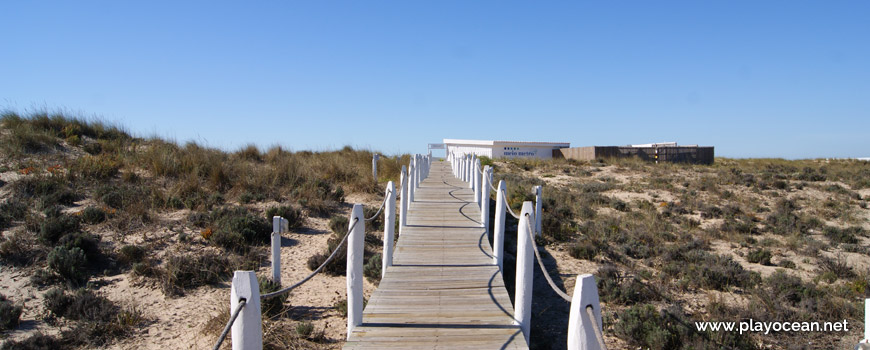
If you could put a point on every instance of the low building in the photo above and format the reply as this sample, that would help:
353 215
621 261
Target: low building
503 149
658 152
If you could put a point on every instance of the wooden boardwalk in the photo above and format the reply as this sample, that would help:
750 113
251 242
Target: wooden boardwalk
443 290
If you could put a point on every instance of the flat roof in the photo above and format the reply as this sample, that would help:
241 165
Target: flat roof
493 143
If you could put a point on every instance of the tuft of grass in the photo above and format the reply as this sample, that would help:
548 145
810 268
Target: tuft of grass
185 271
273 306
10 314
759 256
294 217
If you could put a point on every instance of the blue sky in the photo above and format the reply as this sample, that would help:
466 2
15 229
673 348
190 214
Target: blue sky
753 78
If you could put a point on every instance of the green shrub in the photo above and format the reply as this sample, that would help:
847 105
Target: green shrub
37 341
304 329
338 225
10 314
120 196
274 305
12 210
93 215
70 264
17 249
98 168
131 254
372 268
236 228
642 325
615 288
46 190
586 248
698 268
182 272
759 256
294 216
55 227
88 243
844 235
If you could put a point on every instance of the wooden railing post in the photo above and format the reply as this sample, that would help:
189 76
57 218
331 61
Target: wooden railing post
403 200
538 208
477 182
581 333
498 231
418 168
525 259
471 171
355 268
411 173
247 331
375 167
279 225
389 227
484 199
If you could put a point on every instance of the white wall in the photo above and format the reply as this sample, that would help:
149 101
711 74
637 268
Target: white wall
503 151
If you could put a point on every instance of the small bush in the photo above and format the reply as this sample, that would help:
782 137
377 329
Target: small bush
190 271
70 264
12 210
759 256
55 227
372 268
836 267
294 217
615 288
304 329
93 215
274 305
88 243
131 254
236 228
37 341
46 190
17 248
10 314
845 235
586 249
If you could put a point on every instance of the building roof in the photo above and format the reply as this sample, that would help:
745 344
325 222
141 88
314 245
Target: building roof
493 143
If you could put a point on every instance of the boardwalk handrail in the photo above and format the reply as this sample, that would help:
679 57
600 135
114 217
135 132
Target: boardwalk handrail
584 324
245 297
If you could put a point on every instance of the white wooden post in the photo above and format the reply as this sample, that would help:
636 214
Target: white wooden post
477 183
375 167
498 232
418 169
484 199
538 208
247 331
389 228
276 248
525 258
355 268
411 173
462 167
471 171
581 334
866 321
403 200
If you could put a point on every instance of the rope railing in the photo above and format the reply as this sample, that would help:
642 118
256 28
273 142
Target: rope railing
509 210
331 256
590 312
541 263
229 325
383 204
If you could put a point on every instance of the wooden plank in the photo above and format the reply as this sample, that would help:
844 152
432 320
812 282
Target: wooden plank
443 290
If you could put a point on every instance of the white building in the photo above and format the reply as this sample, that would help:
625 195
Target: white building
503 149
